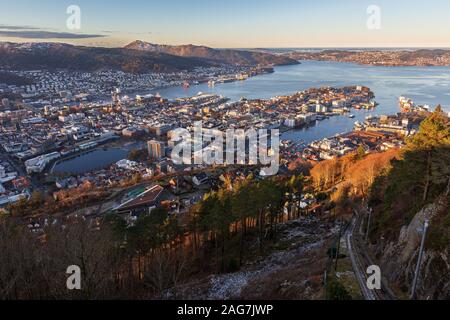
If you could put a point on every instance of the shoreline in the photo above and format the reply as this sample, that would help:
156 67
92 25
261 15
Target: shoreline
111 145
379 64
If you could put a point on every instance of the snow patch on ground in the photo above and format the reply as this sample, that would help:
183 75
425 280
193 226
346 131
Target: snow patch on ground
310 235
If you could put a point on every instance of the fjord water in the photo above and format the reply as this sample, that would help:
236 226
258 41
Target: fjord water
425 85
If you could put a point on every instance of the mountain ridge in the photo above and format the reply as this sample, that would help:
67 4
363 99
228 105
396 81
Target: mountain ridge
230 56
137 57
54 56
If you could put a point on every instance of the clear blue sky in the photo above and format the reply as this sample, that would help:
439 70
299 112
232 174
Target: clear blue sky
231 23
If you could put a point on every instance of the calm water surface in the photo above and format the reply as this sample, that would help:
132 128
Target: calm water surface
425 85
96 159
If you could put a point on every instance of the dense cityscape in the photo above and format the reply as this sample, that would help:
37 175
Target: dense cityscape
37 136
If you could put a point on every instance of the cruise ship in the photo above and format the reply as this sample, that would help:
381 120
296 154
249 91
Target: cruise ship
358 126
405 104
408 105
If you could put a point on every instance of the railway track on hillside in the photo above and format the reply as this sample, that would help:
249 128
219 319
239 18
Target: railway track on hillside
361 261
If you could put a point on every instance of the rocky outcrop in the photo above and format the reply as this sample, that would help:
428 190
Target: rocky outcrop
398 259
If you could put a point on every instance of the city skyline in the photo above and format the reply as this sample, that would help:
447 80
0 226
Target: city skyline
287 24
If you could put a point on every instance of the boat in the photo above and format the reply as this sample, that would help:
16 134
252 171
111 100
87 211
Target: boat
351 116
286 143
186 85
358 126
406 105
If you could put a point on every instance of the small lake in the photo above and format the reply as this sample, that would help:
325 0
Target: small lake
92 160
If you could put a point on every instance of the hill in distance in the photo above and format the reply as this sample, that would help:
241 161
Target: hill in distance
419 57
137 57
57 56
228 56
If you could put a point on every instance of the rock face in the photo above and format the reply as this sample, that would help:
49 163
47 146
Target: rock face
398 259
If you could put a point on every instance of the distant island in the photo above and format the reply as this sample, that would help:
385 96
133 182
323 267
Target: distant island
421 57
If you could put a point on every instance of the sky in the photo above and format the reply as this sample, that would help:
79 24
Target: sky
231 23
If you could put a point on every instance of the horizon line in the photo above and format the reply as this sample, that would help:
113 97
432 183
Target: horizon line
421 46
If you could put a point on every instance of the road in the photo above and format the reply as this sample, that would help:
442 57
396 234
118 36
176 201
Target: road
19 168
361 261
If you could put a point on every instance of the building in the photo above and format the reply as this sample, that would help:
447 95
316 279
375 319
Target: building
71 117
321 109
156 149
5 102
161 130
290 122
37 165
131 132
146 200
307 118
200 179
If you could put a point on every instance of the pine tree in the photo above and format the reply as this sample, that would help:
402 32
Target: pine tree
429 149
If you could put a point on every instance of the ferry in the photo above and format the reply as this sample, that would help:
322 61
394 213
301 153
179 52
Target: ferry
287 143
358 126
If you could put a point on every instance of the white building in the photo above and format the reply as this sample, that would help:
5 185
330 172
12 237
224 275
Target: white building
37 165
289 123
